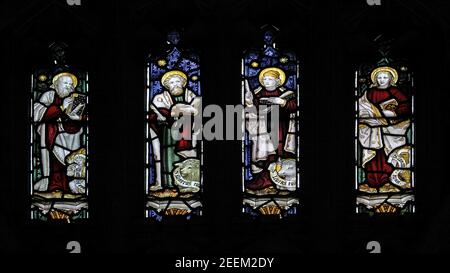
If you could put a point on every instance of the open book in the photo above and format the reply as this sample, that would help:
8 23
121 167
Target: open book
286 95
78 99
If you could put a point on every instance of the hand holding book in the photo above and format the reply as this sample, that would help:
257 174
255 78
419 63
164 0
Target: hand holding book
76 104
390 105
281 100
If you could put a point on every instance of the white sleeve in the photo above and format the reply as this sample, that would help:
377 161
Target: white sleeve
40 107
160 102
190 96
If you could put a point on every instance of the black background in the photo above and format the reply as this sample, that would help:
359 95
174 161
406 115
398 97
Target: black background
112 40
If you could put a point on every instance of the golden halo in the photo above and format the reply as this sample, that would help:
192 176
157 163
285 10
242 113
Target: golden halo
74 78
391 70
172 73
279 71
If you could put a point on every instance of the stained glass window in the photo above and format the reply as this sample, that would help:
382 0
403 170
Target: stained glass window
173 172
59 141
384 137
270 146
